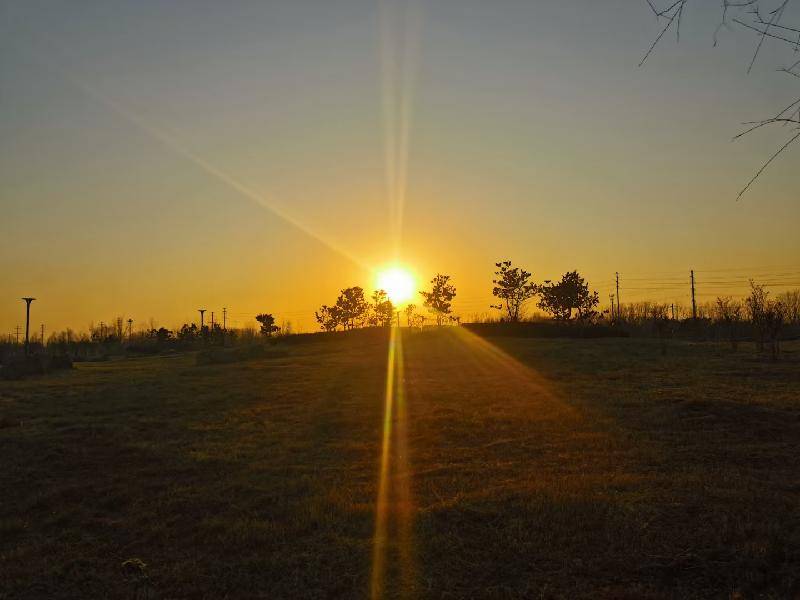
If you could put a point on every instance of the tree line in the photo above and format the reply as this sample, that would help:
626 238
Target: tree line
567 299
352 309
570 300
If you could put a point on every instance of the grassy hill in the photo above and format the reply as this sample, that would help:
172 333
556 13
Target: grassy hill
510 468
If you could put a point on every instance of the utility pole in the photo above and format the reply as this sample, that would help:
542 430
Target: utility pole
618 314
224 319
694 304
202 312
27 321
212 320
613 310
130 330
42 336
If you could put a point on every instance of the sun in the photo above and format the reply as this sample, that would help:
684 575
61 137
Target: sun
397 282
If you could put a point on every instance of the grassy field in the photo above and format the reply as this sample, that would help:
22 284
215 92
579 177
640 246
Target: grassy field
510 468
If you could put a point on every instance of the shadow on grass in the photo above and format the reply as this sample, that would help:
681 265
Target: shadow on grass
555 468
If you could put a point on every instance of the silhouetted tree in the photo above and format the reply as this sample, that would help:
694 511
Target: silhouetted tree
286 328
118 328
161 335
729 313
386 313
328 317
568 295
218 334
439 299
382 309
104 333
659 314
267 322
513 287
768 317
352 307
187 333
791 300
409 310
775 317
756 304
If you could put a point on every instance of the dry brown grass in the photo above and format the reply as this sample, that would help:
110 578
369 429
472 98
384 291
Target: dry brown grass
537 468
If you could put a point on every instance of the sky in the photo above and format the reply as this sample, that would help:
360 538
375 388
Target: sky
160 157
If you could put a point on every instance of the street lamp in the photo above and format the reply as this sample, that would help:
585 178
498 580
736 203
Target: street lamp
27 321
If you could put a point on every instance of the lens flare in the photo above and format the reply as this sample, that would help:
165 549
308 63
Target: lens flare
398 283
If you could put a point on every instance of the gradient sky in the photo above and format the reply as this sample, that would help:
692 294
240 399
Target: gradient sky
158 157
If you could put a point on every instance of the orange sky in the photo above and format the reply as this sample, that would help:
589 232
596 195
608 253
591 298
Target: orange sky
157 159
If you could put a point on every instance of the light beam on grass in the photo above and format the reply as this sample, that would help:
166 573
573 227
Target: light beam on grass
394 510
487 359
394 497
381 508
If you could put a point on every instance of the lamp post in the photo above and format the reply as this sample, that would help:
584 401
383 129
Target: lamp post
27 322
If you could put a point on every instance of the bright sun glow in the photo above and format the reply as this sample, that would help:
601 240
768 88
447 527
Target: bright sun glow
398 283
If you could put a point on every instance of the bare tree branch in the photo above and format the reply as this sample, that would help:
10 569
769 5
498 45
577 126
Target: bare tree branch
675 8
766 164
763 32
753 15
776 16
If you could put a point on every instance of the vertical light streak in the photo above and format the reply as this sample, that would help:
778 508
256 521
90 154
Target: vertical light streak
405 504
381 505
394 496
400 26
